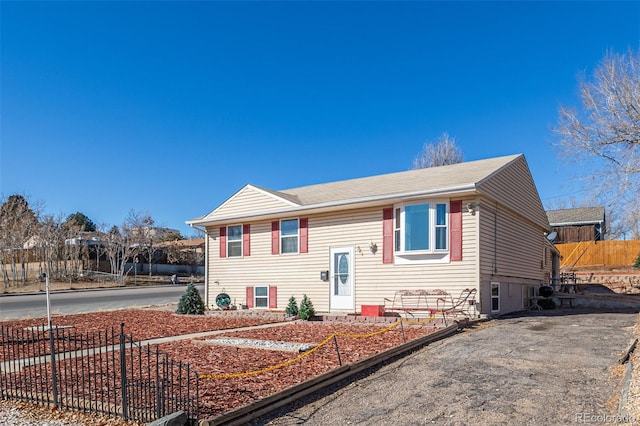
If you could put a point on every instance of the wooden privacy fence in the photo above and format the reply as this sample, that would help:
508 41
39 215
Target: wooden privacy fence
599 253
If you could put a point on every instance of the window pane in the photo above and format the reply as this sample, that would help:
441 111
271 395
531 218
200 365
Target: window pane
234 232
289 227
262 302
495 290
441 238
397 240
495 304
441 214
289 244
235 248
416 227
261 291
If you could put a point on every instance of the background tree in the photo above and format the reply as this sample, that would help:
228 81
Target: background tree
51 237
605 133
138 236
18 226
111 246
76 246
80 222
442 152
172 236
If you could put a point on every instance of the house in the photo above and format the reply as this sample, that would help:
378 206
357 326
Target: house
579 224
346 244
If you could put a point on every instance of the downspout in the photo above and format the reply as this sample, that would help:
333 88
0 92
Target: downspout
495 240
206 263
478 271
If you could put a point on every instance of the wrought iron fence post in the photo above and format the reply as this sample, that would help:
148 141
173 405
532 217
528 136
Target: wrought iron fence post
123 373
160 397
54 380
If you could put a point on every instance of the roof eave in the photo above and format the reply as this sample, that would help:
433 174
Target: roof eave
461 190
585 222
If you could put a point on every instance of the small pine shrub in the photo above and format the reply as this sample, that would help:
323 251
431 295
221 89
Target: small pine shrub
292 307
637 264
306 311
190 303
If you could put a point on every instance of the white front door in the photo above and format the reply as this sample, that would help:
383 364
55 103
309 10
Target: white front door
341 278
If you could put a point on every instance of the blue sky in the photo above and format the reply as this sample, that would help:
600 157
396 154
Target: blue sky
171 107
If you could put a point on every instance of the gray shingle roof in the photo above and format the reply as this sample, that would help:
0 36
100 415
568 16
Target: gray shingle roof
577 216
487 177
430 179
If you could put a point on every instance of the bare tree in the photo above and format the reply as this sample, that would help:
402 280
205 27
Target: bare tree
439 153
136 234
50 240
18 223
111 241
606 132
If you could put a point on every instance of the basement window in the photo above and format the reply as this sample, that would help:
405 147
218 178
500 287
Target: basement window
261 297
495 297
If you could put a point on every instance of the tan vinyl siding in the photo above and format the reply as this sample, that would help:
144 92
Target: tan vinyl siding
513 187
248 200
298 274
509 247
511 252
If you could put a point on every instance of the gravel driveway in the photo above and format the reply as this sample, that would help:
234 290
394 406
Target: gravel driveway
539 368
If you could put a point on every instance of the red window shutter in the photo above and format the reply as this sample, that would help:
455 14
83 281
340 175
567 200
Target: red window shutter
273 297
455 233
246 240
304 235
275 237
223 241
387 235
249 297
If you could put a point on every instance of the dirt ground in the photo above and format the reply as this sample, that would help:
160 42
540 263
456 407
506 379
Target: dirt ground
556 367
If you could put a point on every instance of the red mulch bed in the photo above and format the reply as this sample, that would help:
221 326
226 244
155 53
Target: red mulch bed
220 395
142 324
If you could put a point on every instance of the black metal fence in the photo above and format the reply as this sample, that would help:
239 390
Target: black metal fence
104 372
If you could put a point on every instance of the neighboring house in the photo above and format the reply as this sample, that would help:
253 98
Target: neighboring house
579 224
345 244
189 252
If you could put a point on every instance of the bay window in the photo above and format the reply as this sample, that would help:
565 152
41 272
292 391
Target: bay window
421 228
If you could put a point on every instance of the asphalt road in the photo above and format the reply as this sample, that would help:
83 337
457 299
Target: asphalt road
77 301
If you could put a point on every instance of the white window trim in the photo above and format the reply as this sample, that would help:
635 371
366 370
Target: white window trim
432 229
496 284
256 297
241 240
297 236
